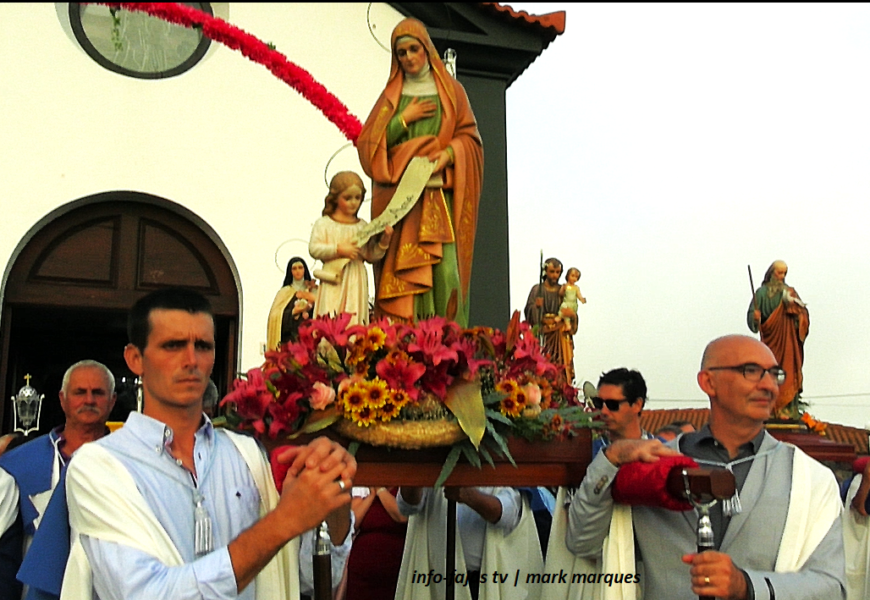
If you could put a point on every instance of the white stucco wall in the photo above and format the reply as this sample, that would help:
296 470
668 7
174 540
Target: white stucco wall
227 139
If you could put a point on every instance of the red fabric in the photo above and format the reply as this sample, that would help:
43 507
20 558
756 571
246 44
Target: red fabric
860 464
644 484
279 471
376 555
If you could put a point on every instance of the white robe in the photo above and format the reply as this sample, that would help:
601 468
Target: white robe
813 507
516 554
856 539
109 507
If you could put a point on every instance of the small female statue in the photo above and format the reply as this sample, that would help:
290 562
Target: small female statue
293 303
344 286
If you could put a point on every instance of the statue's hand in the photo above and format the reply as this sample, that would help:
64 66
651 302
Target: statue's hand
417 110
348 251
441 160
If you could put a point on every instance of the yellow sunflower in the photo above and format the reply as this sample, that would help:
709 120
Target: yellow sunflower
510 407
375 338
507 386
376 393
399 397
354 398
389 411
364 417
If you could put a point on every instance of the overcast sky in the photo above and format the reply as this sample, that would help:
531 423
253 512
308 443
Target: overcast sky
662 148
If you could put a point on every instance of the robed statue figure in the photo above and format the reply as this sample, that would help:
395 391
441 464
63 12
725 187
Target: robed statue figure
784 321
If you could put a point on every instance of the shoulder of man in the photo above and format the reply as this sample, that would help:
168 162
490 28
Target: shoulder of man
29 461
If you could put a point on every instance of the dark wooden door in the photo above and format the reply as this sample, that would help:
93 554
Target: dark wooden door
68 292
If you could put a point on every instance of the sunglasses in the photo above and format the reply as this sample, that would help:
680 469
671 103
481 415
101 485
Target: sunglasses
612 405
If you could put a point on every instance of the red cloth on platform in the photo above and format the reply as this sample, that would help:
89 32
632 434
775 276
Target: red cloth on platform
645 484
279 471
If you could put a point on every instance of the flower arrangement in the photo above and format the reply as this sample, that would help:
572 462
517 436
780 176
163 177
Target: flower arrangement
488 384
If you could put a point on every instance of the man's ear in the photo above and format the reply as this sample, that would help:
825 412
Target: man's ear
705 381
133 356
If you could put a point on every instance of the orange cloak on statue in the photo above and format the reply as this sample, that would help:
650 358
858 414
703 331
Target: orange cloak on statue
443 215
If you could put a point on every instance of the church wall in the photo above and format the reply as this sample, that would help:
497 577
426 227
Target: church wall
227 139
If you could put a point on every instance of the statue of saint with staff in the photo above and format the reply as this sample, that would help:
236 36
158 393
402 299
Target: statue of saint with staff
782 319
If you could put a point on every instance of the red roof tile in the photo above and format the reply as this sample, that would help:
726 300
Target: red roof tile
555 22
653 420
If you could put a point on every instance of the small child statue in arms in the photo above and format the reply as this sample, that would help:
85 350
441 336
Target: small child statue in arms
570 294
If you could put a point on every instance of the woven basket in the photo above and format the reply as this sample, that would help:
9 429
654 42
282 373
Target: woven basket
408 435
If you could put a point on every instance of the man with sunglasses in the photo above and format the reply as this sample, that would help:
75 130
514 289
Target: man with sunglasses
620 400
782 539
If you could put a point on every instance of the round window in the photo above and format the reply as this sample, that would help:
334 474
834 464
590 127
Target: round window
136 44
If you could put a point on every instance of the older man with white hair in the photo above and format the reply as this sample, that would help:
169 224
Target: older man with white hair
87 396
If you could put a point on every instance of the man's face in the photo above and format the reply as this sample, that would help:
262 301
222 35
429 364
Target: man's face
731 394
86 400
780 270
622 421
553 274
177 360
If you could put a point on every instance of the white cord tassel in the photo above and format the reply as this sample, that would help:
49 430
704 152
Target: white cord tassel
202 539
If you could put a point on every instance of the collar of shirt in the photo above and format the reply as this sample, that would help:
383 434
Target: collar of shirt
158 435
702 443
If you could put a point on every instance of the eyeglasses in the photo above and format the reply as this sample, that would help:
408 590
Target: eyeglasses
612 405
754 372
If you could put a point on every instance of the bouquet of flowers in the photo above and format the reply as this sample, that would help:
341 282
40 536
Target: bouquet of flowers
483 384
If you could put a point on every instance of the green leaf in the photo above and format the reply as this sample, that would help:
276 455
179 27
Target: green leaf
486 455
447 469
327 356
494 398
318 421
352 448
471 455
502 443
494 415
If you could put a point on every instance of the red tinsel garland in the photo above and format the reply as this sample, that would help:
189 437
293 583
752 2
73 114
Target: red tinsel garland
256 50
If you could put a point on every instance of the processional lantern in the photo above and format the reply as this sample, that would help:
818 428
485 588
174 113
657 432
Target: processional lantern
26 408
450 61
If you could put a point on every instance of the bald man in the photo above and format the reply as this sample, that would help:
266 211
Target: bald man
785 542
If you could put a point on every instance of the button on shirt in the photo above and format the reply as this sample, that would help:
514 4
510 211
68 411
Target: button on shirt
230 496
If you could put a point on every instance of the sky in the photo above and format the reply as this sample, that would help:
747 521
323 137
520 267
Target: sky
664 148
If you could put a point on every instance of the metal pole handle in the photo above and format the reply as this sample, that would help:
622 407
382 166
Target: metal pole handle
322 564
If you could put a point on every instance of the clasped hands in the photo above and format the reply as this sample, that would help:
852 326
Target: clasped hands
318 481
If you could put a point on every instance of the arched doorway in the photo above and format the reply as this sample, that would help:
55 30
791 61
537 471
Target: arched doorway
73 279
